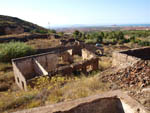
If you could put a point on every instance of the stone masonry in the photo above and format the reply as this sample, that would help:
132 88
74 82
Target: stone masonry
110 102
123 59
26 68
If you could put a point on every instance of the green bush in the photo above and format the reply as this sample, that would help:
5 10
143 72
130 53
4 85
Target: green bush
39 31
12 50
144 43
90 41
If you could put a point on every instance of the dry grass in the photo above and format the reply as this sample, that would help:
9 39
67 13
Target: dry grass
15 35
5 67
84 87
54 90
105 63
13 100
33 103
6 77
77 58
43 43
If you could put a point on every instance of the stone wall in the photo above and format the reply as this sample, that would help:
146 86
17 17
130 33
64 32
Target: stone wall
87 54
143 53
74 49
66 57
19 78
127 58
121 60
26 68
110 102
77 67
93 48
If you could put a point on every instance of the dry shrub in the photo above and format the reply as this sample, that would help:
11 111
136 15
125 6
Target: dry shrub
105 63
84 87
5 66
33 103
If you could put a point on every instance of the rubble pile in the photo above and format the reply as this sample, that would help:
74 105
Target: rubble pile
137 75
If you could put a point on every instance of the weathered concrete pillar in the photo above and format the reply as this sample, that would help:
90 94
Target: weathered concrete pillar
38 68
66 57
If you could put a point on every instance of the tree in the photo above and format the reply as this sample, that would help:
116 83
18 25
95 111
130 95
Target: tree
102 34
83 37
132 39
61 34
99 39
76 34
120 36
52 31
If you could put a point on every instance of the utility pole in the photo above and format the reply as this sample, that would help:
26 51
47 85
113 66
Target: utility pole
49 25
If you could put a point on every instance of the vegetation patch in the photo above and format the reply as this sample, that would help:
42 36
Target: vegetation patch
12 50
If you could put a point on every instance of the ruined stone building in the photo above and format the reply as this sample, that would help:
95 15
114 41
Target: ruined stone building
62 61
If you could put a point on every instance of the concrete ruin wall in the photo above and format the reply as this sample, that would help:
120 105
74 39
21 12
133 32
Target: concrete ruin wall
74 49
29 67
127 58
87 54
110 102
123 60
19 78
81 67
143 53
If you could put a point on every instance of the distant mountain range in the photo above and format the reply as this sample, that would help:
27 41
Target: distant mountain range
86 28
113 25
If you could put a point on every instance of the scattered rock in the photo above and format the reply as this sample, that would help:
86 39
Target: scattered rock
134 76
114 87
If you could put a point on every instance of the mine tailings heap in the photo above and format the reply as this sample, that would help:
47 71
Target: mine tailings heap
134 68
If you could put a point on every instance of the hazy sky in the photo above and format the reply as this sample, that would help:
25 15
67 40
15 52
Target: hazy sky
68 12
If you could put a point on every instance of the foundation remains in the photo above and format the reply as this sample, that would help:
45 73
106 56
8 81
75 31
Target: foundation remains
110 102
123 59
64 62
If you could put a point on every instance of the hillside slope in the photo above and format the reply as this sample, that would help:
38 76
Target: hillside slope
13 25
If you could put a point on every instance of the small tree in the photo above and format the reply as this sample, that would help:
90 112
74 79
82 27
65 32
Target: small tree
120 35
102 34
99 39
61 34
76 34
52 31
